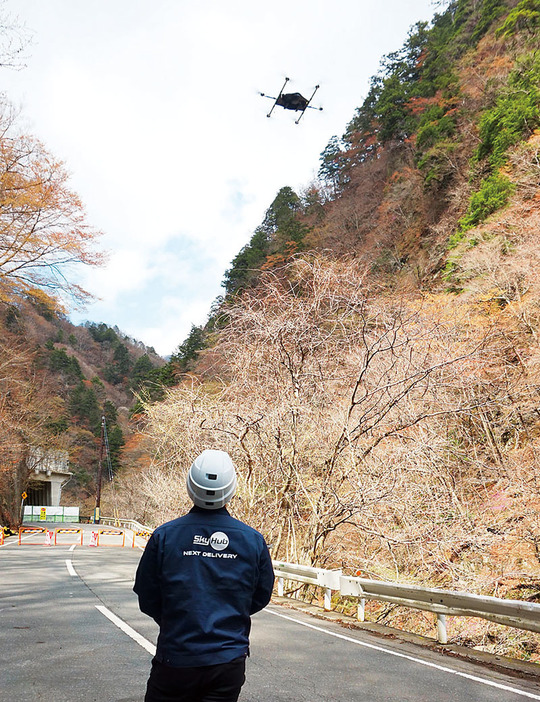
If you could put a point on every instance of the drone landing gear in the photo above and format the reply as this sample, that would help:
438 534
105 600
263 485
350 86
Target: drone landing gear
275 99
309 106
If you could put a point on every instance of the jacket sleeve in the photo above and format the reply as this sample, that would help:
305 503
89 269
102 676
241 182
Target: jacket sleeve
265 584
148 581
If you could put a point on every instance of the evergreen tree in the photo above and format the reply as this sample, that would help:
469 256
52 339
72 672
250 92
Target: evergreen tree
68 366
187 352
101 332
246 262
331 168
118 370
141 372
84 406
116 442
109 412
279 229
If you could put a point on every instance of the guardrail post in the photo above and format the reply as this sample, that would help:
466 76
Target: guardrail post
361 611
442 636
280 589
327 600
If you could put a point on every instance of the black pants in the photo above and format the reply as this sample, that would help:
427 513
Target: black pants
210 683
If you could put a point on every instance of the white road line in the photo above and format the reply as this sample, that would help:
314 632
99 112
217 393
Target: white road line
147 645
23 538
72 547
484 681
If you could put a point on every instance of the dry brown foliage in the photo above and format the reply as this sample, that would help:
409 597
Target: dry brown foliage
328 388
43 228
371 433
377 428
23 416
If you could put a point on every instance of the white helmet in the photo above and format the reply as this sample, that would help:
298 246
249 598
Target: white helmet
211 480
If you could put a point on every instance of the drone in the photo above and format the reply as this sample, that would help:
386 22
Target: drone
292 101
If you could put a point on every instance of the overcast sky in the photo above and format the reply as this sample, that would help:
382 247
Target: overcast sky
153 105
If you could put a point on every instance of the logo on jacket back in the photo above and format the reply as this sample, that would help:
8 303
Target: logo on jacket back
218 541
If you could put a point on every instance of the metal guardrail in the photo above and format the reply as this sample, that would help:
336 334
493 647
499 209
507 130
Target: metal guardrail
442 603
138 529
327 579
514 613
126 523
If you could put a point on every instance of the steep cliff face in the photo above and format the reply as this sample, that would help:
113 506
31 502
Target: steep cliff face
443 142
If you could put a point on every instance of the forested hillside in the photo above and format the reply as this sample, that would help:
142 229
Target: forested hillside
373 367
58 382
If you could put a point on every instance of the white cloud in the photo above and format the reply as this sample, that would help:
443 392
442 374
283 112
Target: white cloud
155 110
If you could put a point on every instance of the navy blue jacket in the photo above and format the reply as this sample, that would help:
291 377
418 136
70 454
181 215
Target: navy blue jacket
200 578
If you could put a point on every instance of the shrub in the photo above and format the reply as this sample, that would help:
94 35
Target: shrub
490 10
435 129
515 113
526 16
492 195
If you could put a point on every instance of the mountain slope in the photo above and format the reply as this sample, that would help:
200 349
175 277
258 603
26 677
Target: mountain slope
373 366
59 381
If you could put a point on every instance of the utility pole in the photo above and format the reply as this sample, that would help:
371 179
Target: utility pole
100 473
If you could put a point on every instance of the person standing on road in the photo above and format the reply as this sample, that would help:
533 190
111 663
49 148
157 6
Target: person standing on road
201 577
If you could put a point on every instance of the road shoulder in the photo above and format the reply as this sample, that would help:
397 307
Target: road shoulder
518 669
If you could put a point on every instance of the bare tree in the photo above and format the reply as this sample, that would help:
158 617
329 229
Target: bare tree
14 39
319 376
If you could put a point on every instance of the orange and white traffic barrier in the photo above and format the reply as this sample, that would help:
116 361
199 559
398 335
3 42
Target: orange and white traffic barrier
1 536
70 530
111 532
31 530
142 534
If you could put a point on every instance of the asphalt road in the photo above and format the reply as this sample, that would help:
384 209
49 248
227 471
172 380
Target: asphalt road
61 609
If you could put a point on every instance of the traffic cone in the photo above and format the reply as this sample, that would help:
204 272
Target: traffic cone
94 539
48 538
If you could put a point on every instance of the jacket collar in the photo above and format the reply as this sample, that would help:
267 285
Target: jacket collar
207 512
